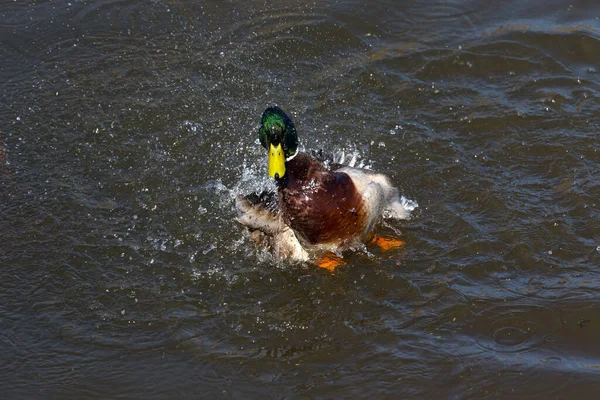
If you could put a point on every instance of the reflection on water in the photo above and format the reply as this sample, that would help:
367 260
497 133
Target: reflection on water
127 128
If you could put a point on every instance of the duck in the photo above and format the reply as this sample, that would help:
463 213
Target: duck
318 210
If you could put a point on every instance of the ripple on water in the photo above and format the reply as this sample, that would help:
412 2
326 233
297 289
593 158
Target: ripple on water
515 328
533 380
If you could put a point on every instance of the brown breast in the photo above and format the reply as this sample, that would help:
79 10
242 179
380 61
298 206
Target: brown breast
321 206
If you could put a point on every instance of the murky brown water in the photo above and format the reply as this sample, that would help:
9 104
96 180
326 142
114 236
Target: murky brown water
127 128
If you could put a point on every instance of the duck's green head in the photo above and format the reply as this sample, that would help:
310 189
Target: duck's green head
278 135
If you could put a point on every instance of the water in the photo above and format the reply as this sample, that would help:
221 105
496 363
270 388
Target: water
127 128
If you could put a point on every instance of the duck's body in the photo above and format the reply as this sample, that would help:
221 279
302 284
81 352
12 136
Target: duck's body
317 209
321 206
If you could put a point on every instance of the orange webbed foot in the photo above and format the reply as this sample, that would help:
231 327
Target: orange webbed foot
386 244
330 262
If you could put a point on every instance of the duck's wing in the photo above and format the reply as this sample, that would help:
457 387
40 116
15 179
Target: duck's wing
260 211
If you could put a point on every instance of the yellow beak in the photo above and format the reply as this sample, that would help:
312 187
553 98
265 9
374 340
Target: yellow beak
276 161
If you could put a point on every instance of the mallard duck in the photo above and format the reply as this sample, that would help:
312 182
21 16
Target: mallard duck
317 210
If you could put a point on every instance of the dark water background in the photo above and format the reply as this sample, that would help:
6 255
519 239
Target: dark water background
127 127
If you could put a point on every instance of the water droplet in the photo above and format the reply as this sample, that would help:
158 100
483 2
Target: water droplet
211 248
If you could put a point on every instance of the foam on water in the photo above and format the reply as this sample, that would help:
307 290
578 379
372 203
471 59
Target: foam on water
400 208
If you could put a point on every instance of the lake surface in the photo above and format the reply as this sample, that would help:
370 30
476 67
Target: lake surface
128 127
